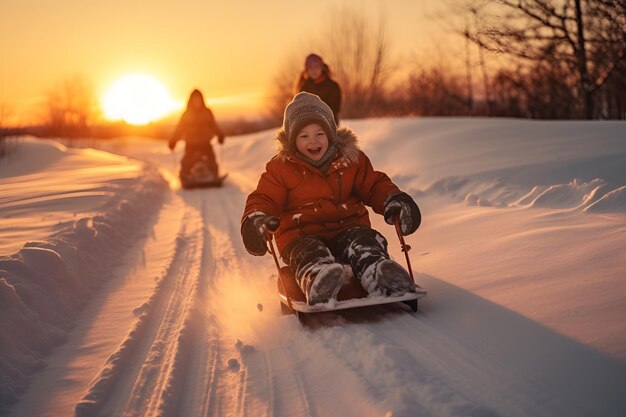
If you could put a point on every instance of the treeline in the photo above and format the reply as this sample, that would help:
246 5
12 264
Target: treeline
538 91
560 59
156 130
541 59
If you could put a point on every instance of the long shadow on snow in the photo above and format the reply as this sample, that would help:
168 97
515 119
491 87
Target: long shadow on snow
577 375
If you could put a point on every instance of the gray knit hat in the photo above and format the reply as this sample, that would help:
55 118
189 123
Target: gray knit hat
304 109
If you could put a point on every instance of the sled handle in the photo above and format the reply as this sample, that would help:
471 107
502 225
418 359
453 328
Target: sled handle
405 248
270 246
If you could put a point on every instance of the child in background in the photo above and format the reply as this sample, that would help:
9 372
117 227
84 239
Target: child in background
316 79
197 126
313 194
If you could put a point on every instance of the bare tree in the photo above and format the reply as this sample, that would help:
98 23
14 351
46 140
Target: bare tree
588 36
71 108
468 71
357 52
435 91
510 94
4 116
540 91
282 86
3 129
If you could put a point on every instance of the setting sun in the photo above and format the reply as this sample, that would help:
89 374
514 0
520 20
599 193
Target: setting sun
137 99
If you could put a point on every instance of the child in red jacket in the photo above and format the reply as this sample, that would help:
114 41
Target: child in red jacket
313 194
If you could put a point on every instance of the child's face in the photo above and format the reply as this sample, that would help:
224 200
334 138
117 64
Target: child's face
314 69
196 102
312 142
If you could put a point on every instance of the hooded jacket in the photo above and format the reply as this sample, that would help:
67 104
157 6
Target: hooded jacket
197 126
309 202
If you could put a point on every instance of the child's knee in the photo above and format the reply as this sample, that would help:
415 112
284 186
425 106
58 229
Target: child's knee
367 237
306 249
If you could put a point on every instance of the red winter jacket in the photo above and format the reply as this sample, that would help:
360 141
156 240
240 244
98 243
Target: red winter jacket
309 202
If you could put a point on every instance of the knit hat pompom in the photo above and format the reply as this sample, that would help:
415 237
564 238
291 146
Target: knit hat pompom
304 109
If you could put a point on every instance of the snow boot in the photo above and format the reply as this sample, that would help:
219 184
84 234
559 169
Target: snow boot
366 251
315 269
391 279
323 283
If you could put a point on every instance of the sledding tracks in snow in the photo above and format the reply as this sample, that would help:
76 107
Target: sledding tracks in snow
203 347
135 379
170 361
211 342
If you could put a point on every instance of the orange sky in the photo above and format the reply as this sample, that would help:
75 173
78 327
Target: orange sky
231 50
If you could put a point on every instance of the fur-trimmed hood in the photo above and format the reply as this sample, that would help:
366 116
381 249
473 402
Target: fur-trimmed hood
345 141
314 202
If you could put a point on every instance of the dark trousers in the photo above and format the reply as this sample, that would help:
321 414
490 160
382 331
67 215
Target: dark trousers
360 247
195 154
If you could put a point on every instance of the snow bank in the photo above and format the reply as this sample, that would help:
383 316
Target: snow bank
502 163
610 202
574 195
30 156
45 284
483 162
509 218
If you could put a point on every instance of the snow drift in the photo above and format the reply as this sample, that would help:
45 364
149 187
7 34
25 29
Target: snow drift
45 284
521 251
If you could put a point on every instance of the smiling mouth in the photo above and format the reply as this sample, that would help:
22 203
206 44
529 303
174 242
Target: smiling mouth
315 151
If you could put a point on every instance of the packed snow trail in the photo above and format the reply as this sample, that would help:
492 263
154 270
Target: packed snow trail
215 345
207 339
169 363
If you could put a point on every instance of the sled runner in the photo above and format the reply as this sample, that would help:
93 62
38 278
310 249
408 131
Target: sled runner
351 294
189 182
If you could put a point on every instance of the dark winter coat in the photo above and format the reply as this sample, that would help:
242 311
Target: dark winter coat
197 127
309 202
327 89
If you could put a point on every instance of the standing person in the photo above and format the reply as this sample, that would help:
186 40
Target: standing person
313 193
197 127
316 79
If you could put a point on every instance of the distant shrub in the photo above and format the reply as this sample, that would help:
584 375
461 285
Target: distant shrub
7 145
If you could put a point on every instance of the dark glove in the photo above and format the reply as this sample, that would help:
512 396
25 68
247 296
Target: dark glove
171 144
403 207
220 140
253 232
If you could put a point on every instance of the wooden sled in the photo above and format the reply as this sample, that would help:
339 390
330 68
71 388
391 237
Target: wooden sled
351 294
202 182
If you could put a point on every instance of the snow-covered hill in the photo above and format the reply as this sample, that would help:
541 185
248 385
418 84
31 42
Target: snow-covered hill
122 296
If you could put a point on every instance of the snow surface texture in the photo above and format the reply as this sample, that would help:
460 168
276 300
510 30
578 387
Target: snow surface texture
44 285
521 251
